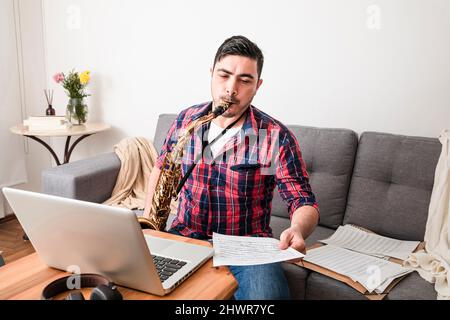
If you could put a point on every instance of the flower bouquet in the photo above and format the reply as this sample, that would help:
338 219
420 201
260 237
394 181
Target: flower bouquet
75 85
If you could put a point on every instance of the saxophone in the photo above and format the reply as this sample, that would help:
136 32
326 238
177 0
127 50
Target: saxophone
170 176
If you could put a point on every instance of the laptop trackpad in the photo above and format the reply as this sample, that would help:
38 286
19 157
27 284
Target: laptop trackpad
158 245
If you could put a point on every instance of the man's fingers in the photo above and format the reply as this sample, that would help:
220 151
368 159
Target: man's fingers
299 245
285 239
288 239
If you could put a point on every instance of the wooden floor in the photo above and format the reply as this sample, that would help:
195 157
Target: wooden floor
11 241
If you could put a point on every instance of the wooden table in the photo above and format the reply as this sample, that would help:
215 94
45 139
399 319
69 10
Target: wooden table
84 130
24 279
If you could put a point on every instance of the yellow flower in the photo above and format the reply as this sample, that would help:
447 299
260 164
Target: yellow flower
85 77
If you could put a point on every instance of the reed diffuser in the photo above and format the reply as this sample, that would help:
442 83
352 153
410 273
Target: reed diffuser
49 96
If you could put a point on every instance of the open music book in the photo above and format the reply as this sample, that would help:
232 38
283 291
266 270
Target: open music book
362 257
356 239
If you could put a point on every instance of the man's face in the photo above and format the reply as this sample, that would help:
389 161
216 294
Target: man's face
234 79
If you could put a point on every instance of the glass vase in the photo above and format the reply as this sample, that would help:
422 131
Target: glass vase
77 111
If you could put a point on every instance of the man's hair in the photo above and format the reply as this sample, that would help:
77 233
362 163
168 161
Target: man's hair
240 46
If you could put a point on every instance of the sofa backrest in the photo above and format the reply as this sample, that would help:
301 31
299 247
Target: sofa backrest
329 157
391 185
164 122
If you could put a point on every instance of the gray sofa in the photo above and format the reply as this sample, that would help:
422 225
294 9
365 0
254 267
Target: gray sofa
380 181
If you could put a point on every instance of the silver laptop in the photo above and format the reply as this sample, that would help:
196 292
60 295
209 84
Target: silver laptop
86 237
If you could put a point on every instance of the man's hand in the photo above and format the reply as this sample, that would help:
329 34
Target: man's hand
292 237
303 222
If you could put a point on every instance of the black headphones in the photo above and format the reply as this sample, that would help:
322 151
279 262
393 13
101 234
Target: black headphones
103 288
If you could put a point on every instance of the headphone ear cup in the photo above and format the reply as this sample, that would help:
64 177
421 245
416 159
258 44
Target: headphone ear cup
75 295
106 292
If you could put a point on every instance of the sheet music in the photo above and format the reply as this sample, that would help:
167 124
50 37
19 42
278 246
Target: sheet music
373 273
241 251
352 238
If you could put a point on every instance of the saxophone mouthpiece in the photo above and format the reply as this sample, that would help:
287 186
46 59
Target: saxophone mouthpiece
221 109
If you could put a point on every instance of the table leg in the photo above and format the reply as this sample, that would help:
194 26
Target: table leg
48 148
68 153
66 149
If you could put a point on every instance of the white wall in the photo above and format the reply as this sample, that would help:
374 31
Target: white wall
325 66
22 79
365 65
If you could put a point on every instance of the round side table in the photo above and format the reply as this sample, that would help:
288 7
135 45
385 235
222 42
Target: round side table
84 131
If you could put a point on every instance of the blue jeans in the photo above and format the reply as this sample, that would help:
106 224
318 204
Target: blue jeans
261 282
257 282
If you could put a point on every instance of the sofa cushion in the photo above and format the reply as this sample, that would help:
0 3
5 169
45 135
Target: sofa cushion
296 277
278 225
413 287
320 287
392 183
165 120
329 156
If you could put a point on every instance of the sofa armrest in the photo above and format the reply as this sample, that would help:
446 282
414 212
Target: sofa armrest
91 179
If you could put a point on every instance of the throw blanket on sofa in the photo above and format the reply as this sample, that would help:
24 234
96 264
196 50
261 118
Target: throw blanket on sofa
137 156
433 262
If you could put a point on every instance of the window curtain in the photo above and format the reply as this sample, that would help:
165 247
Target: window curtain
12 154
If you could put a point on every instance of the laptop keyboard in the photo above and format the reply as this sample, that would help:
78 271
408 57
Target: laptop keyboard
166 267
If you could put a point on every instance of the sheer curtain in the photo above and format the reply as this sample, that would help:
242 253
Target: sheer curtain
12 155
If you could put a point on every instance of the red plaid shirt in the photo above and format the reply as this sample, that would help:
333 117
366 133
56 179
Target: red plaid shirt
232 193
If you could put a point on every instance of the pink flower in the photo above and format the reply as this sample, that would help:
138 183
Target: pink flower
58 77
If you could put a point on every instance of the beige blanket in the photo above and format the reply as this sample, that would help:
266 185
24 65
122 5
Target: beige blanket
138 156
433 262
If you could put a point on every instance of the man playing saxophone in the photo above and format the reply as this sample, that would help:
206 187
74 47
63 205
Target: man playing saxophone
234 162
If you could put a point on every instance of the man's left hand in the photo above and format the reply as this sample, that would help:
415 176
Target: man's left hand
292 237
